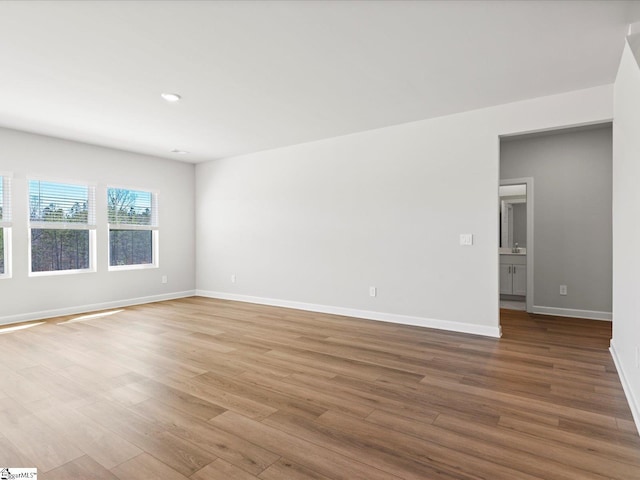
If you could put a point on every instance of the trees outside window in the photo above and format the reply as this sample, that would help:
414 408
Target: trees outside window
57 249
133 228
62 227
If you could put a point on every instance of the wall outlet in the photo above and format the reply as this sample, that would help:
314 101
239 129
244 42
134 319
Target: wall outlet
373 291
233 278
466 239
563 289
164 279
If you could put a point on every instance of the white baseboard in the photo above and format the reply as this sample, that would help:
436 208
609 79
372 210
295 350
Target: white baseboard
59 312
634 405
571 312
366 314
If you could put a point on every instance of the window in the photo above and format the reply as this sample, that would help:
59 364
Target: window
61 227
133 228
5 226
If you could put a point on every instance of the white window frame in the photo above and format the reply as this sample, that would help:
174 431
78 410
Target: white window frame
90 226
154 228
6 224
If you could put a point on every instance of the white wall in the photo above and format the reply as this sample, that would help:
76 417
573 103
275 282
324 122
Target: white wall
315 225
572 222
27 155
626 229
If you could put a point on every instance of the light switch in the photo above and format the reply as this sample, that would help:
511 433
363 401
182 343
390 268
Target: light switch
466 239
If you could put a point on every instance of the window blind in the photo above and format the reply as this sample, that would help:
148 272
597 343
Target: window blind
5 201
131 208
61 205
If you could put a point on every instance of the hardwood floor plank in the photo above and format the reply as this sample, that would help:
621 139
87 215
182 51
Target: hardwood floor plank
84 467
453 453
103 446
179 399
43 446
284 468
559 460
627 426
57 385
146 467
182 455
301 451
598 447
352 445
268 397
232 448
329 362
20 388
339 357
319 396
13 456
126 395
221 470
343 388
398 422
226 400
119 420
504 402
600 431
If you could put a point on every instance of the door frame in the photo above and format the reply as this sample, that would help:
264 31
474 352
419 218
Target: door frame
528 181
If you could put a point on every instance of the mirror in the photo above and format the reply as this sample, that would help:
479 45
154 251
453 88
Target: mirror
513 216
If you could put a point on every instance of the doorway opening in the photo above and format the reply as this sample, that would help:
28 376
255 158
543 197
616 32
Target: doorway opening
515 209
572 255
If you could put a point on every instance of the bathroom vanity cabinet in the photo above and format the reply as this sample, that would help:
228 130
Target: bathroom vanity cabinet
513 274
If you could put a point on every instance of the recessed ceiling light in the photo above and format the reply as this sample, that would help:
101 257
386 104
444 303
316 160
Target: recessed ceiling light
171 97
179 152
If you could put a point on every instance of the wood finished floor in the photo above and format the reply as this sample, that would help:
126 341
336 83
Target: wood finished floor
206 389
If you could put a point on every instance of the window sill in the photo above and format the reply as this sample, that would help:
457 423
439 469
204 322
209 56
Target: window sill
56 273
143 266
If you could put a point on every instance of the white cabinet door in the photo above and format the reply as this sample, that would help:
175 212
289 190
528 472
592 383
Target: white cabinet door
519 274
506 279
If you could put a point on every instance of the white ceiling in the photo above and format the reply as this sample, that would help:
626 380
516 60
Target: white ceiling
259 75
